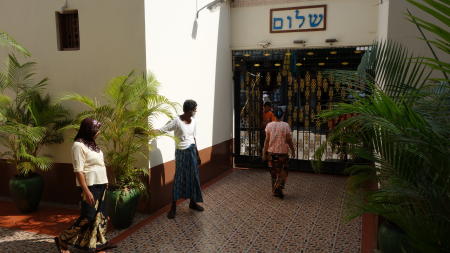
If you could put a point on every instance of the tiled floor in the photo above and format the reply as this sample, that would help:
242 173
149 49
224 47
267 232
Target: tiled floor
240 216
33 233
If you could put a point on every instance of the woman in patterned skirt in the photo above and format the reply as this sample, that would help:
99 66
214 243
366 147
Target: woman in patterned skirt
89 230
276 150
186 183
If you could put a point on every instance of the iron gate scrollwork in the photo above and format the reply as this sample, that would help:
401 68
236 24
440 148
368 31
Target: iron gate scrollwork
297 81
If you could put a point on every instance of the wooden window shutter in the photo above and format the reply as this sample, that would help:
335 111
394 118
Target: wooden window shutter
68 30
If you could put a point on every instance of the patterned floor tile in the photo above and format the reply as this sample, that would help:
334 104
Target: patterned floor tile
19 241
241 215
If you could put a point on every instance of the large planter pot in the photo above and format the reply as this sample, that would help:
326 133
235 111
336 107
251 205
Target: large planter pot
392 239
121 206
26 192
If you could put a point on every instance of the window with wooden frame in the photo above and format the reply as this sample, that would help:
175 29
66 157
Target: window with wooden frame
68 30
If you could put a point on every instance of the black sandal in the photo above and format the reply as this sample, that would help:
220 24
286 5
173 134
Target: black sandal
58 244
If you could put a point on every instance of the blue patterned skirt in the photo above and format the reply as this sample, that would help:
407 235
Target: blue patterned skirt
186 184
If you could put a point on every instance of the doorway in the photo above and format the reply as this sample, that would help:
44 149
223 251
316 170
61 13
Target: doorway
299 82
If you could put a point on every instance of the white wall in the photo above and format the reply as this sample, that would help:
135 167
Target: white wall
394 25
188 68
351 22
383 20
112 43
400 29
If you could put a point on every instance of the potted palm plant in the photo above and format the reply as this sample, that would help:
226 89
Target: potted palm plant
401 126
28 121
131 104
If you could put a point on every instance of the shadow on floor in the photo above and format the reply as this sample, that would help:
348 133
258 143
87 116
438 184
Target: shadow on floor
47 220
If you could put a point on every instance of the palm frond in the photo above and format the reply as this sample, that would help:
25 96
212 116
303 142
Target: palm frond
132 102
399 129
7 40
81 99
30 120
440 10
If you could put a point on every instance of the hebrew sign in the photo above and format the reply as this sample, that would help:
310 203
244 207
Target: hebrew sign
298 19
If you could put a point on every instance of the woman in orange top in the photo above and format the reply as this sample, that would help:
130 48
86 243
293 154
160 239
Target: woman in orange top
276 149
268 114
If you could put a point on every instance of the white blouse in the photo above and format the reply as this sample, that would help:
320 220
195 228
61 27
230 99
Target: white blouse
184 132
89 162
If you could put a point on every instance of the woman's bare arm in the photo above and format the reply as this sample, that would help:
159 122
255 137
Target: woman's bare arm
87 193
266 146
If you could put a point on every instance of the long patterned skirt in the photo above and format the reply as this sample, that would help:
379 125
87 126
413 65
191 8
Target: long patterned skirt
187 180
278 164
89 230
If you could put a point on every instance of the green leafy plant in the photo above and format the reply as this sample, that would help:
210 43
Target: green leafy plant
131 104
7 40
28 119
400 133
439 10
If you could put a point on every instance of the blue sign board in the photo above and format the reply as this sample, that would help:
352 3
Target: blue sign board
298 19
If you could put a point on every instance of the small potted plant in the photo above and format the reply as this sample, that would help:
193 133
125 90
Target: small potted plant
131 103
28 121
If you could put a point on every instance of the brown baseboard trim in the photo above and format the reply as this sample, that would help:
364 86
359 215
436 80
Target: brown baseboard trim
122 236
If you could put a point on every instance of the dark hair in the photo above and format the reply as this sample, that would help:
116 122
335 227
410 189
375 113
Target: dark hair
268 104
88 129
189 105
279 113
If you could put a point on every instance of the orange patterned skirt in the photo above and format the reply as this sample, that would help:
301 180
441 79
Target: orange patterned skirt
278 164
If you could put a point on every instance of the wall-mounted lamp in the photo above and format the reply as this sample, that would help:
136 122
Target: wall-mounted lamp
331 41
300 42
264 44
209 6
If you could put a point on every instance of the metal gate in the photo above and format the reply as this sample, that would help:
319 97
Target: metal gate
297 81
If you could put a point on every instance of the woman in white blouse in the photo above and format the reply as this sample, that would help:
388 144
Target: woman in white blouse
186 184
89 230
